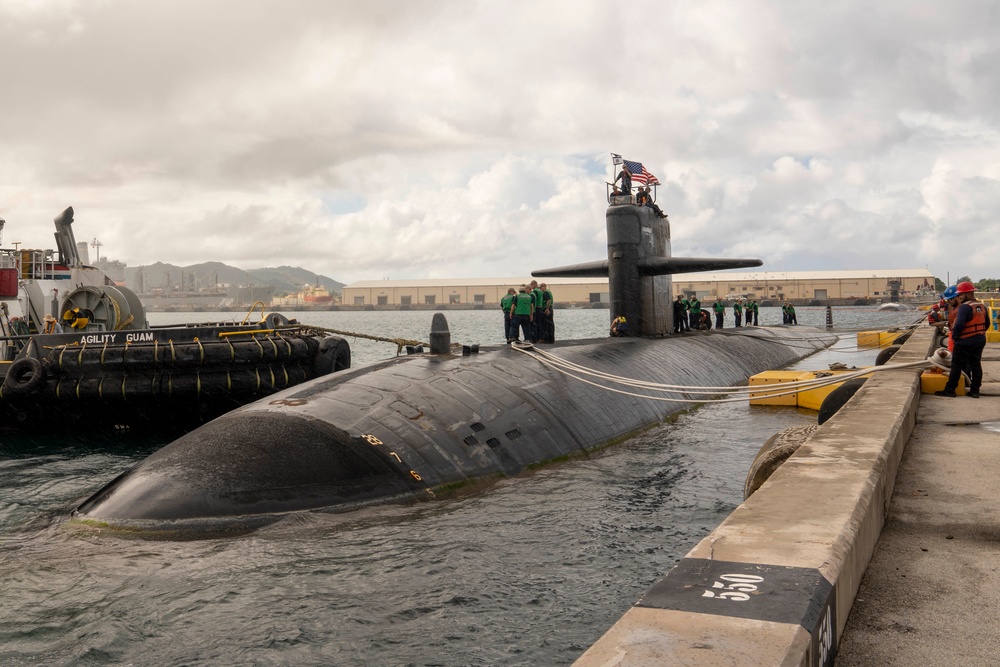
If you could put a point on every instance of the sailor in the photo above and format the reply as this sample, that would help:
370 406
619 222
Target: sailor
949 297
694 312
645 198
752 309
51 326
720 310
536 327
548 322
619 327
737 313
792 319
686 305
784 313
678 315
626 178
969 335
505 304
522 311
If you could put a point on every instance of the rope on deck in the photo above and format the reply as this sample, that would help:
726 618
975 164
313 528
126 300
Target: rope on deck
400 342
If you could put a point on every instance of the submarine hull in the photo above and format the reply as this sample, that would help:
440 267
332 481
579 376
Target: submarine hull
407 426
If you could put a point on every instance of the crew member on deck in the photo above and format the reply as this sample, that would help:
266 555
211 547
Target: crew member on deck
626 178
51 326
548 322
737 313
619 327
720 310
521 313
694 312
505 304
536 327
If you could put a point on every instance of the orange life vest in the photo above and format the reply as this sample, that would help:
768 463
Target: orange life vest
978 323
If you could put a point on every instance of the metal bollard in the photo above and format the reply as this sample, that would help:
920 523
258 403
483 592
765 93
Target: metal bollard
440 335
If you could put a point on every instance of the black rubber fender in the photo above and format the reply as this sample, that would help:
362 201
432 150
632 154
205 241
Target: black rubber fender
25 376
902 338
773 453
334 355
276 321
885 354
836 399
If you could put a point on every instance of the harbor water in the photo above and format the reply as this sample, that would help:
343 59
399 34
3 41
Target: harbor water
528 572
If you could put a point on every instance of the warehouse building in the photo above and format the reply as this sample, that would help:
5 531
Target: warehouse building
582 292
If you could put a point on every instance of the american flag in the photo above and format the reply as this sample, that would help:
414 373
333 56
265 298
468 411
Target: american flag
639 173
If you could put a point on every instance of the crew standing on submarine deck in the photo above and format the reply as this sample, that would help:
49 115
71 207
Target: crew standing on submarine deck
522 311
737 313
548 310
678 315
505 304
694 312
720 310
536 328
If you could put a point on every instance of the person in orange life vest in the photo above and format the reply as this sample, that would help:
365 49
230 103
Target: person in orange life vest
51 326
969 336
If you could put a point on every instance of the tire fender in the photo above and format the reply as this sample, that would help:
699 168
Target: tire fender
25 376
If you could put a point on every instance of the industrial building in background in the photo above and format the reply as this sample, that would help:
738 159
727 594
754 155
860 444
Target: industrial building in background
803 287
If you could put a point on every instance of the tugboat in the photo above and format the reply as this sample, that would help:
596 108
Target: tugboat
77 351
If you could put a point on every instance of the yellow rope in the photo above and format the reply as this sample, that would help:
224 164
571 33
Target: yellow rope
400 342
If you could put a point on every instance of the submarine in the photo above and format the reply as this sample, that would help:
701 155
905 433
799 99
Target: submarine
408 427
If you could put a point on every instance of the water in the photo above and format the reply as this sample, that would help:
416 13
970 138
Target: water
530 572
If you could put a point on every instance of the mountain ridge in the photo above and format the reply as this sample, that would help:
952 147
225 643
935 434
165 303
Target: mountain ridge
206 275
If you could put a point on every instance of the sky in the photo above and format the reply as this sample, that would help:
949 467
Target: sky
406 140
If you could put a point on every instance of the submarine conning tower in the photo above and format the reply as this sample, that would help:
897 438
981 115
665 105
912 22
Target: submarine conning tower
639 268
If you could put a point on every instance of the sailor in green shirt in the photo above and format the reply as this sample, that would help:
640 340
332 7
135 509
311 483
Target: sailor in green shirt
505 303
545 317
752 310
694 306
536 325
720 309
522 311
737 312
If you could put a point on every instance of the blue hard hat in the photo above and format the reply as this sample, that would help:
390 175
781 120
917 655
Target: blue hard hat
950 293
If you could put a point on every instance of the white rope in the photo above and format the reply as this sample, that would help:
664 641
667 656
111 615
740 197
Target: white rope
759 391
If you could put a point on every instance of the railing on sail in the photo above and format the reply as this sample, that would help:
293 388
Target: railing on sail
615 196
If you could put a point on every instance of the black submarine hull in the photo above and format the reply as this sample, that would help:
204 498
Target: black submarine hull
406 427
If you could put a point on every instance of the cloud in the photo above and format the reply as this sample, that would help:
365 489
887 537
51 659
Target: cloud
424 139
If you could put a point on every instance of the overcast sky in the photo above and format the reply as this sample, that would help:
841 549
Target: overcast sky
410 139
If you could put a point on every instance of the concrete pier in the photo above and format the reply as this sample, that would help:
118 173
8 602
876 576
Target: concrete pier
931 593
775 583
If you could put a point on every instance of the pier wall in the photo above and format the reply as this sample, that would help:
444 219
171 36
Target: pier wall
774 583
